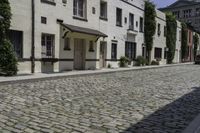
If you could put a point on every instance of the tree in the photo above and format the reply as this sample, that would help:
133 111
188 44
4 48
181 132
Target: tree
149 27
171 36
196 42
184 41
8 61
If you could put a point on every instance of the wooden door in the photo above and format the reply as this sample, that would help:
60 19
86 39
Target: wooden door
102 56
79 54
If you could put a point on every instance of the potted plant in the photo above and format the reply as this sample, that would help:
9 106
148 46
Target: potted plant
123 62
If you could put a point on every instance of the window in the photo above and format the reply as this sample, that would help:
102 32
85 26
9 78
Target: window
43 20
67 44
125 20
131 21
103 10
141 24
180 35
93 10
91 46
144 51
64 1
159 32
158 53
130 50
80 8
119 17
16 38
47 45
114 51
176 13
187 13
197 11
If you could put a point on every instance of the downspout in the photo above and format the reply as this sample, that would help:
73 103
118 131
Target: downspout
33 37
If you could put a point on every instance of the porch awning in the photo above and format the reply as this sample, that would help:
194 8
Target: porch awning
77 29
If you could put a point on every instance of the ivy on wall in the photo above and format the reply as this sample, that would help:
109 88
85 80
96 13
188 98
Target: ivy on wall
184 41
196 42
8 61
149 27
171 36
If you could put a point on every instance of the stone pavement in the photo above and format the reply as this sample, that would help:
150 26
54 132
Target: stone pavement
162 100
36 76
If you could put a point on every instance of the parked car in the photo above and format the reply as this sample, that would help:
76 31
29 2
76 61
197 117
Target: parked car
197 60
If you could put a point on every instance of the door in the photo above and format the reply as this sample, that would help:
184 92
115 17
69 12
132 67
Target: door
102 56
79 54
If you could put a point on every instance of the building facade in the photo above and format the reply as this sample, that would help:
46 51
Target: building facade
187 11
60 35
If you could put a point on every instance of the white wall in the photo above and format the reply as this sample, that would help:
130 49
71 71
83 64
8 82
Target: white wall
159 40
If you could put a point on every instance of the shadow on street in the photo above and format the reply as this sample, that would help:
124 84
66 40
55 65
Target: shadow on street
172 118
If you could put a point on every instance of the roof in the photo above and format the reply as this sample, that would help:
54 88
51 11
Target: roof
180 3
73 28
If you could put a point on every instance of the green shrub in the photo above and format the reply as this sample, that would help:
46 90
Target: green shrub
123 61
8 61
155 62
141 61
109 65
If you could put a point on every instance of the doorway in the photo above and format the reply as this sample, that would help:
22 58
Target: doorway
102 56
79 54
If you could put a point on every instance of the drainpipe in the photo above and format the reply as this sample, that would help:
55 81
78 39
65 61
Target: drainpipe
33 37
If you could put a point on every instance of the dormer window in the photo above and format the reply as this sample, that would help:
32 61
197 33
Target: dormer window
80 8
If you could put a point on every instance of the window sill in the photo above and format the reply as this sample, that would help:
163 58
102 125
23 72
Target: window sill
81 19
118 25
102 18
48 2
91 50
67 49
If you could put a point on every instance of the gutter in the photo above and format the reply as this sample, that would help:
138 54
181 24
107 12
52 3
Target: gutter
33 37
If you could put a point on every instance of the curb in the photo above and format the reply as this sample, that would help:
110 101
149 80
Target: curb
86 74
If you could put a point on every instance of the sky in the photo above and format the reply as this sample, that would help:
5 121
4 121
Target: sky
163 3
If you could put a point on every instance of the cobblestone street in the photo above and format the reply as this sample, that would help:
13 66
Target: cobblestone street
163 100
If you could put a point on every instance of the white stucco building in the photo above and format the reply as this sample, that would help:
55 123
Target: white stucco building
60 35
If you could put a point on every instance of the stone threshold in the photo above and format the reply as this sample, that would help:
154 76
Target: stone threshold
44 76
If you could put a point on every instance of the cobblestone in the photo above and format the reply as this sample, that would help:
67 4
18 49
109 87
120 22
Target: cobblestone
162 100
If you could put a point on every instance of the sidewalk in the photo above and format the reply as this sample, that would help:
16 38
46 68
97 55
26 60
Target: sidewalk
39 76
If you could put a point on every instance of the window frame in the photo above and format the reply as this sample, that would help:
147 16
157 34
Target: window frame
131 21
103 15
91 46
77 9
45 45
114 51
141 24
157 55
67 44
159 29
119 17
130 50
